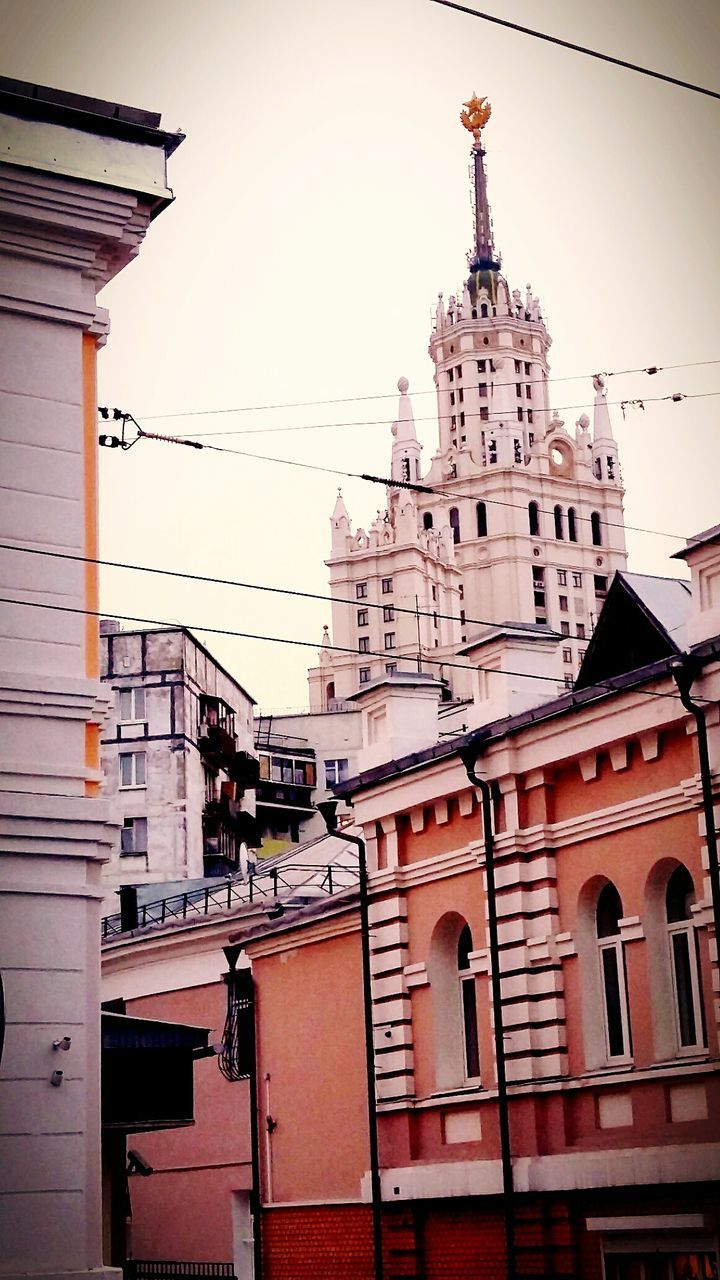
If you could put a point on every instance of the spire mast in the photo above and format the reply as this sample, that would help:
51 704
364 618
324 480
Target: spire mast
483 254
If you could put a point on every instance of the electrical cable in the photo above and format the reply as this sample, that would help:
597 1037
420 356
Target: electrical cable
256 586
389 483
430 391
491 416
312 644
578 48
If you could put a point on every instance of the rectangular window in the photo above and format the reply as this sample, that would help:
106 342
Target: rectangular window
364 675
567 655
131 704
600 586
453 423
132 769
563 602
530 418
390 668
564 628
461 396
388 613
133 836
484 413
434 591
335 772
528 392
562 577
527 369
389 639
462 419
452 397
386 585
577 579
361 590
362 617
481 366
520 413
451 375
580 628
568 682
458 371
364 644
517 366
518 389
482 389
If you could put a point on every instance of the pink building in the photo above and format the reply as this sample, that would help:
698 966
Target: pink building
605 900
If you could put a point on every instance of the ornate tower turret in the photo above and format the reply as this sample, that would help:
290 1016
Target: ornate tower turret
406 449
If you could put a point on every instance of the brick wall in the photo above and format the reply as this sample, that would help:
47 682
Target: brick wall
332 1242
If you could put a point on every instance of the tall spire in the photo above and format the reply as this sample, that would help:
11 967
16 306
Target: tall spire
483 256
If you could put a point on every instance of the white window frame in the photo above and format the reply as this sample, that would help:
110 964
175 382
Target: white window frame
686 927
136 693
615 944
129 825
134 757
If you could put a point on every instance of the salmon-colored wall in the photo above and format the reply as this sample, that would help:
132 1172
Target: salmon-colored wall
437 837
184 1209
573 796
311 1044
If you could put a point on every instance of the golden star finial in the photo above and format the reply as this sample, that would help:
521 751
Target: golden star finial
476 115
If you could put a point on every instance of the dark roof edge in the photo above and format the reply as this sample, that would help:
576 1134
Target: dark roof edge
93 115
499 729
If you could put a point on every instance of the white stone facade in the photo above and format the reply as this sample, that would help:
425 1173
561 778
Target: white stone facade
79 183
157 681
523 524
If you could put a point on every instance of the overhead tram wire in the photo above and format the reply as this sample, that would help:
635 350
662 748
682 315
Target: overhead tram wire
387 482
312 644
430 391
491 416
578 48
248 586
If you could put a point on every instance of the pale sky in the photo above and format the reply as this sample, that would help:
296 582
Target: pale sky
322 202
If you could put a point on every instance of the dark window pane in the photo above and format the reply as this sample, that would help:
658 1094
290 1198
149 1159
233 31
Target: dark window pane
611 983
472 1051
683 987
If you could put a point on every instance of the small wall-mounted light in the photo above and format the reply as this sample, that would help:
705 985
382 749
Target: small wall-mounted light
64 1043
56 1079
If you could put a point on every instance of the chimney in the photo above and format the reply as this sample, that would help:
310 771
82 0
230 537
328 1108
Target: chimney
517 667
399 716
702 554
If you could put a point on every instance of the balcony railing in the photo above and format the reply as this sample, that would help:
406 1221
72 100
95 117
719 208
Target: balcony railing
288 795
215 743
295 884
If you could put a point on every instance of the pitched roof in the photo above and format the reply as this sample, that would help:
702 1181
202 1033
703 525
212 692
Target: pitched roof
643 620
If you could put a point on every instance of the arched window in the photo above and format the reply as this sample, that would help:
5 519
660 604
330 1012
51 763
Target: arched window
559 526
484 310
471 1048
572 524
330 693
534 519
455 1020
427 520
481 520
596 530
687 992
608 914
454 516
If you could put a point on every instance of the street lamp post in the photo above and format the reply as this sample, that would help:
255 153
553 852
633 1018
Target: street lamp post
328 809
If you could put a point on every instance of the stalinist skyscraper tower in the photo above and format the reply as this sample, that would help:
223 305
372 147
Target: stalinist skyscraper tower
519 518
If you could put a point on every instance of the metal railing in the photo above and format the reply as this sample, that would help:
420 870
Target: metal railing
151 1269
292 884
